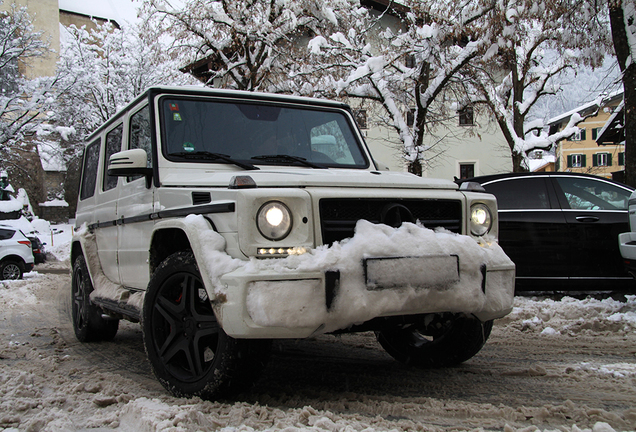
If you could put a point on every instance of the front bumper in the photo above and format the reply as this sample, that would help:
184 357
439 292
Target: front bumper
271 303
627 246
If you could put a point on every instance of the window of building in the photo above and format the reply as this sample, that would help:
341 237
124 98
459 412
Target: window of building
576 161
466 116
579 136
466 170
602 159
621 158
595 133
361 118
113 145
409 61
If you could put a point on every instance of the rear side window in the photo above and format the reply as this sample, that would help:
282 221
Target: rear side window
590 194
113 145
520 194
91 162
6 234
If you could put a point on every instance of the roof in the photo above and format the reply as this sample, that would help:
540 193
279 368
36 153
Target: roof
613 131
588 108
220 93
492 177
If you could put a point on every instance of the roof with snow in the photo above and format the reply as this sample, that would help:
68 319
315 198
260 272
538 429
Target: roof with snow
588 108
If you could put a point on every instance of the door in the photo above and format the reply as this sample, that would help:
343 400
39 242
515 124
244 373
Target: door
596 212
531 227
106 208
135 205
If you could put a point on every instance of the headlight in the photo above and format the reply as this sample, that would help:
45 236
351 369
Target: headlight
274 220
480 219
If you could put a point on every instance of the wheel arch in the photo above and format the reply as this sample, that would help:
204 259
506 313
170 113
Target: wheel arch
166 241
16 258
177 235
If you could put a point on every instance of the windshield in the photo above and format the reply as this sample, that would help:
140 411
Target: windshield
257 134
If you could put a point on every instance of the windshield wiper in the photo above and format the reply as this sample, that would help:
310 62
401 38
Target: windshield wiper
215 156
288 158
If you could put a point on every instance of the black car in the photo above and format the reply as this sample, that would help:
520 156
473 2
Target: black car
561 229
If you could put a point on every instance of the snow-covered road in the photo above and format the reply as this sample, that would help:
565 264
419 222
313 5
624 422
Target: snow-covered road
566 365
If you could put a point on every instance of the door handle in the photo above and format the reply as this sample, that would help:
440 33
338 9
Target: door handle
587 218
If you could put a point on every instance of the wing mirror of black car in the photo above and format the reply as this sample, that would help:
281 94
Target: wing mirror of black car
130 163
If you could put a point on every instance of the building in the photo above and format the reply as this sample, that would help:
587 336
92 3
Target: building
581 152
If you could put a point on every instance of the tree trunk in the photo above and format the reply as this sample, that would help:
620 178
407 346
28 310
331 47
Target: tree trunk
621 47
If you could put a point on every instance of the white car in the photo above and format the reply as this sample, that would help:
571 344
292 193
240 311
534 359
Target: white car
16 256
224 219
627 240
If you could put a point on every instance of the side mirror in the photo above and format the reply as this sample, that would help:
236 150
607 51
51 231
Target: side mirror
130 163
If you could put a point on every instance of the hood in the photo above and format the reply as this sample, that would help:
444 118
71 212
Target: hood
302 177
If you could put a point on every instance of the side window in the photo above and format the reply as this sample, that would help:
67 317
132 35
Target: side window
113 145
140 136
522 193
6 234
589 194
91 162
140 132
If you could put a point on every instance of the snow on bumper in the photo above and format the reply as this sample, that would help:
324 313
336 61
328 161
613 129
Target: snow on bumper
381 271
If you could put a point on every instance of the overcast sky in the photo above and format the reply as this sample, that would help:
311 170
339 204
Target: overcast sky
118 10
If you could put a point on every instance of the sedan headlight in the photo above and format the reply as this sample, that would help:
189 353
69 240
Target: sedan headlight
274 220
480 219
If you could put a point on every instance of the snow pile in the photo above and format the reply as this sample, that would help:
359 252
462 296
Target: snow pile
11 205
573 317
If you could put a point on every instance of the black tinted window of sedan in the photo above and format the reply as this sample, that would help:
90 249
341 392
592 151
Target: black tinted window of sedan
589 194
520 193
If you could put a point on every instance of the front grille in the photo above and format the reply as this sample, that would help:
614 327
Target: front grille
338 216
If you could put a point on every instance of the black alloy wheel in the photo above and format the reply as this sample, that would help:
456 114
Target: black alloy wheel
189 352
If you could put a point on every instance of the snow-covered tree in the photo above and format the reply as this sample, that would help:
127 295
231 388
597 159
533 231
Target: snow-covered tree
622 15
249 44
20 99
406 69
520 72
103 69
100 71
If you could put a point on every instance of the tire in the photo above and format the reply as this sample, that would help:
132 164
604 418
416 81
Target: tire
189 352
88 323
447 340
11 270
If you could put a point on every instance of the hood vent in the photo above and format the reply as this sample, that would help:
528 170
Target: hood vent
199 198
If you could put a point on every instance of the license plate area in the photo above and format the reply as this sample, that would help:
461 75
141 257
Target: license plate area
423 272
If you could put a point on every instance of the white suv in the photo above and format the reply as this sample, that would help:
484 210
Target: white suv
16 256
224 219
